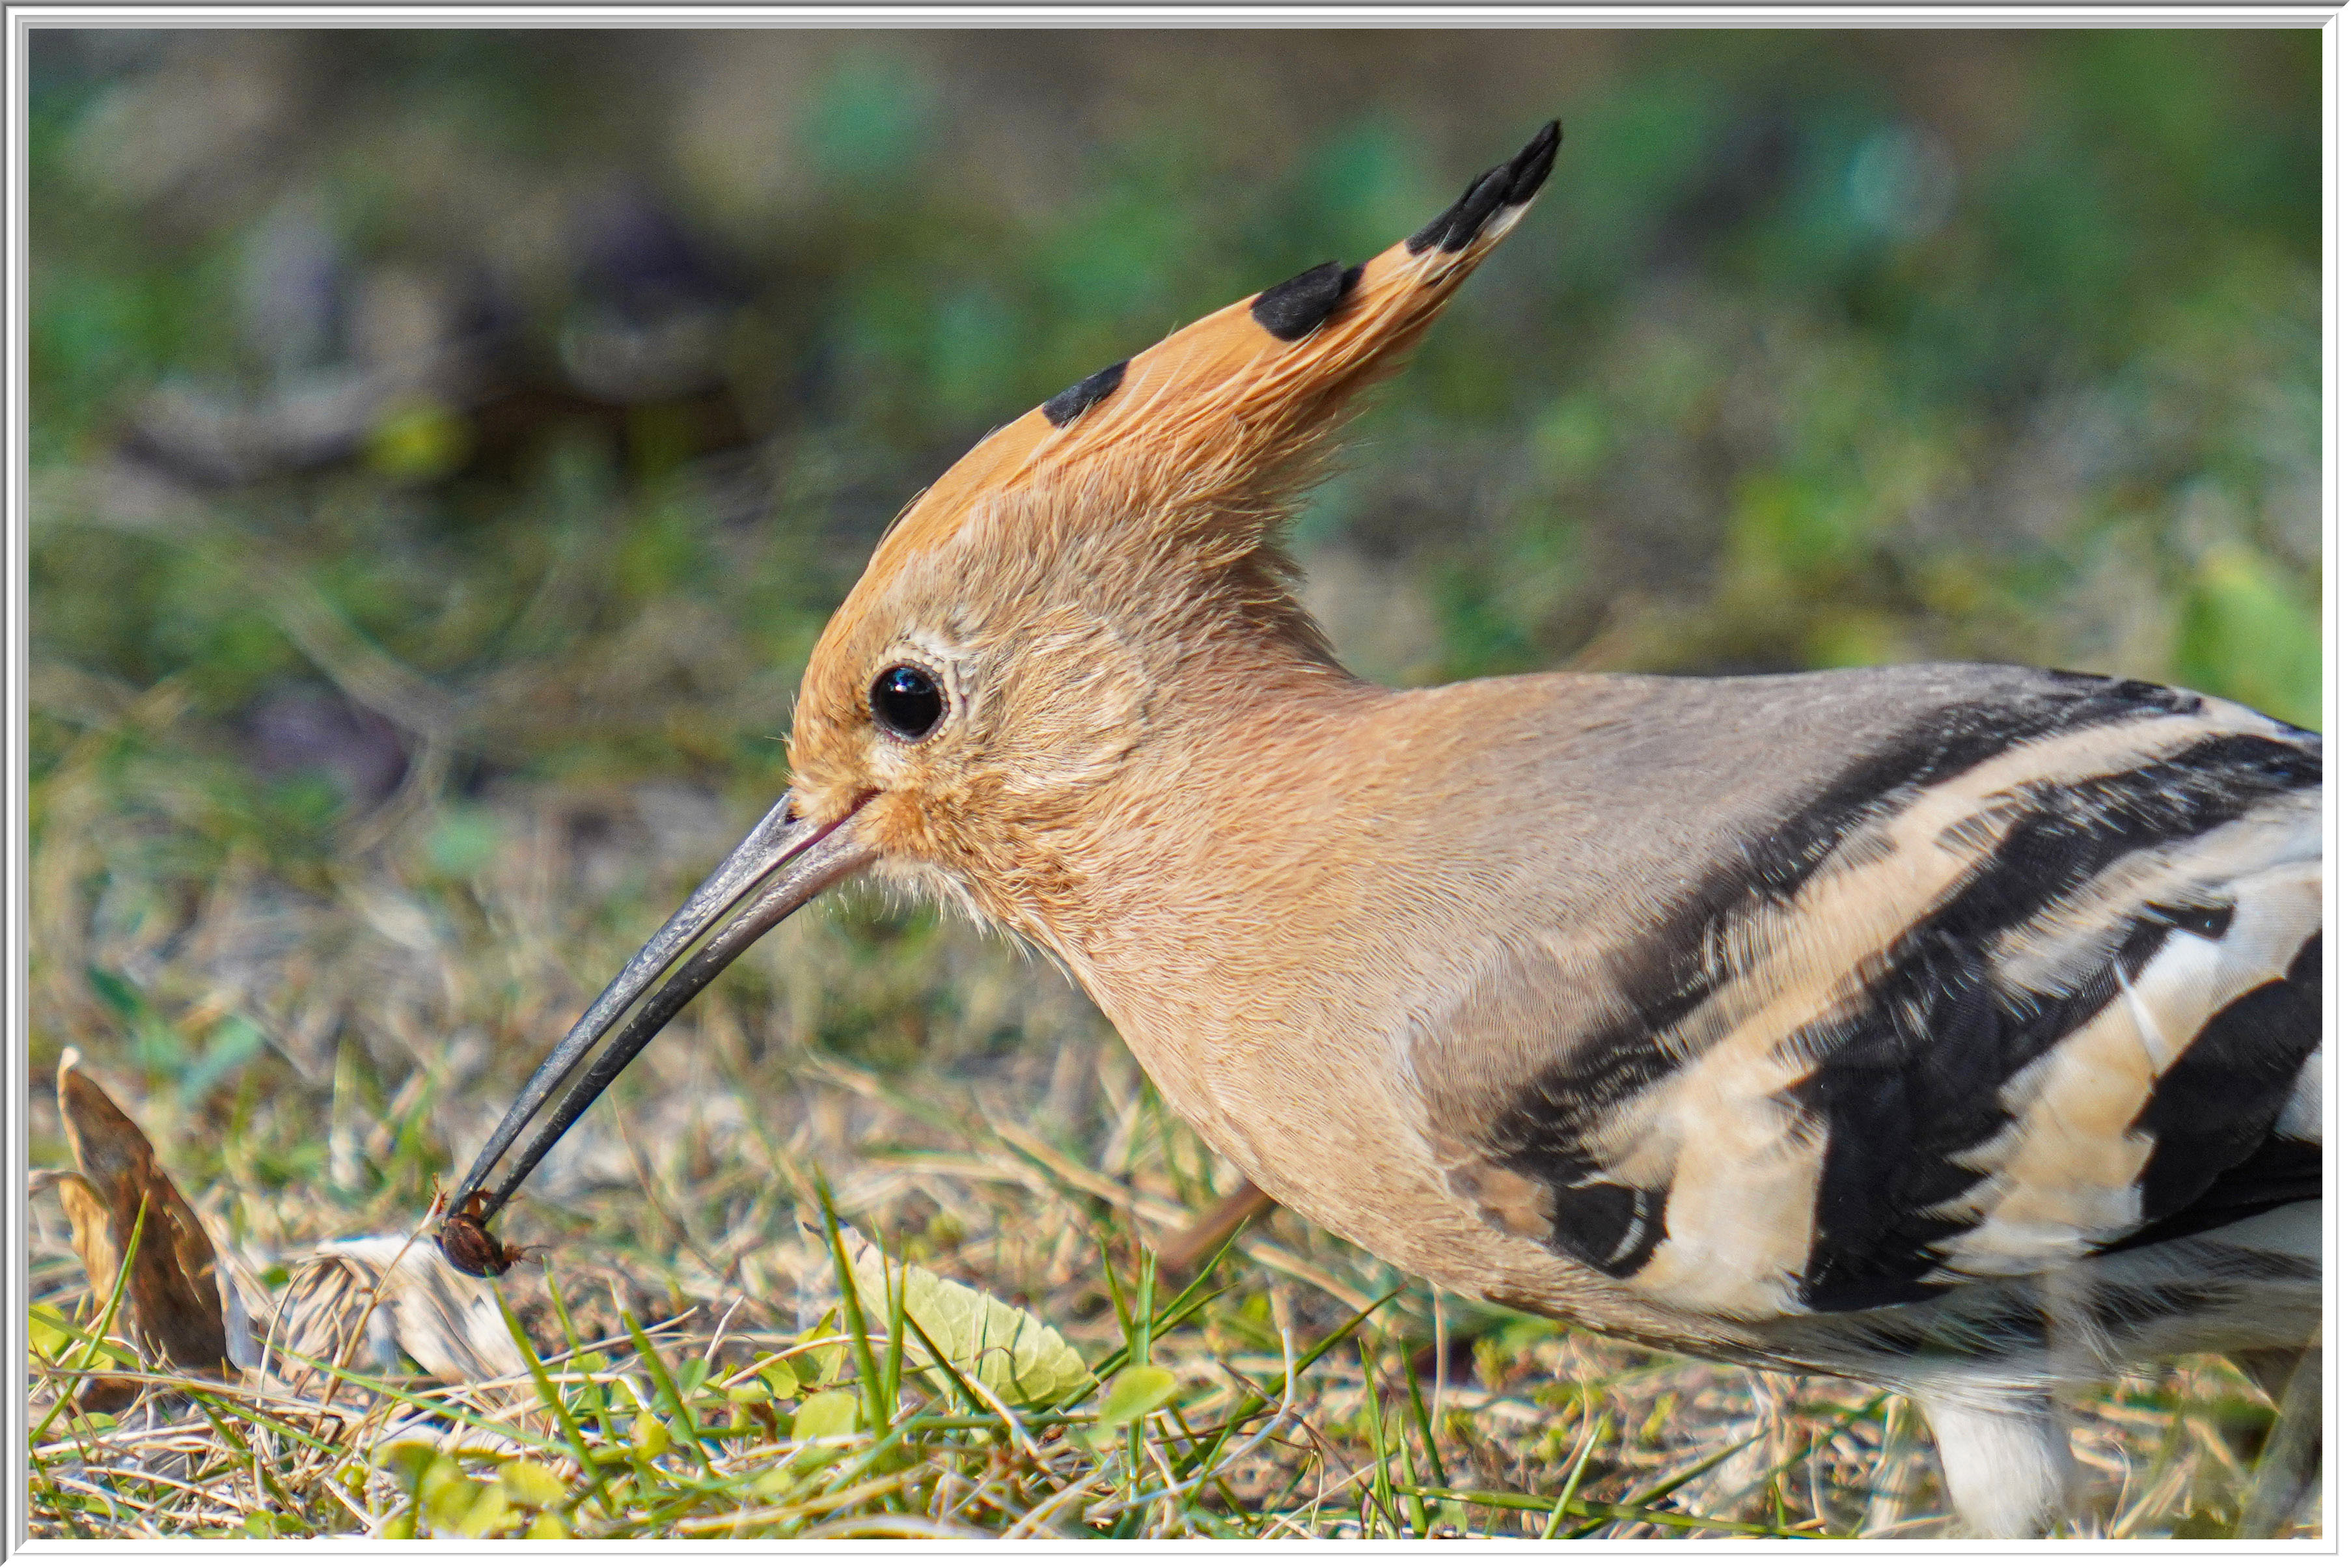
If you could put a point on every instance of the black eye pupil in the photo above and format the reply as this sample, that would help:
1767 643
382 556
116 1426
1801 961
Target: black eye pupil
907 702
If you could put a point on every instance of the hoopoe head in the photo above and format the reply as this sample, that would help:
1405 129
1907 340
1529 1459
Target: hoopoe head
1108 562
1086 583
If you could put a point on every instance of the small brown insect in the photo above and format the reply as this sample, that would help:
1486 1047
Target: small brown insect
467 1242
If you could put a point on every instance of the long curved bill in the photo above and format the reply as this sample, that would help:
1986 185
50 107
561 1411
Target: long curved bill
785 862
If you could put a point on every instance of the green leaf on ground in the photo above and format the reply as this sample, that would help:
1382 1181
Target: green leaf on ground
1136 1392
833 1414
1019 1357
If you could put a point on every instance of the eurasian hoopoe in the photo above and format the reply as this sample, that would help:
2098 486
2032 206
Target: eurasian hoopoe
1954 1027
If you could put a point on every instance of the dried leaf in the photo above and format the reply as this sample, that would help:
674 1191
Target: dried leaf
105 1395
172 1300
448 1322
93 1238
1014 1354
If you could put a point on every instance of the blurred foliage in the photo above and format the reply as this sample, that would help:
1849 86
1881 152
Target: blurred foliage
420 418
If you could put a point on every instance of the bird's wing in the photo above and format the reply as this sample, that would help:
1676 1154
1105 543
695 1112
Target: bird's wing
2031 975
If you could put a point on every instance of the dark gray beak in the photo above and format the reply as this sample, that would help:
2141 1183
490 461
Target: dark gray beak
785 862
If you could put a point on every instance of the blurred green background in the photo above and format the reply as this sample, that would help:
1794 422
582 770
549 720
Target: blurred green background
446 446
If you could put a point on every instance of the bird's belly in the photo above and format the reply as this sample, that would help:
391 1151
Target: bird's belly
1329 1144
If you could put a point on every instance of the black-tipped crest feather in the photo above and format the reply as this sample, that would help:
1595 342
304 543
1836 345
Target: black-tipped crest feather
1066 405
1291 310
1510 184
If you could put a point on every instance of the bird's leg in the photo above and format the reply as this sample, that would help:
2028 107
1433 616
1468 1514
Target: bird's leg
1198 1241
2006 1463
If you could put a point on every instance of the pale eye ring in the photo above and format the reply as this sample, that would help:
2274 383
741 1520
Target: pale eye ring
907 702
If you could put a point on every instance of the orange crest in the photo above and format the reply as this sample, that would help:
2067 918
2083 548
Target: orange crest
1220 419
1143 496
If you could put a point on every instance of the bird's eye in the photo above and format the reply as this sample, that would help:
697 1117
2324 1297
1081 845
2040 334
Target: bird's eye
907 702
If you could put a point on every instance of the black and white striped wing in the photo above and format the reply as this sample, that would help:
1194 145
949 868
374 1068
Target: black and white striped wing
2039 978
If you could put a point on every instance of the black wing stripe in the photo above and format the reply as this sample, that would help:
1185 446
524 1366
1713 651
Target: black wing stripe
1671 973
2040 842
1911 1078
2211 1111
2281 1171
1611 1226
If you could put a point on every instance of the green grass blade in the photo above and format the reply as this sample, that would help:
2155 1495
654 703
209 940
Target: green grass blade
1599 1424
1382 1484
895 1304
853 1313
1603 1513
1454 1516
1676 1482
106 1318
551 1396
1257 1404
665 1385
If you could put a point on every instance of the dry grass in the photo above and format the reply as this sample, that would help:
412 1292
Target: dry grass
969 1109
